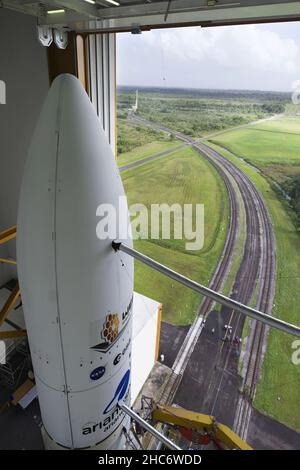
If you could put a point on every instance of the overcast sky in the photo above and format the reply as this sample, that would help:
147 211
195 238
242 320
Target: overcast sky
254 57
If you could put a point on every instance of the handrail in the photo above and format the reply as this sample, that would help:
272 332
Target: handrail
216 296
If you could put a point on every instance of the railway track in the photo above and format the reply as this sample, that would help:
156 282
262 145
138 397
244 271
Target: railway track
259 245
259 331
257 265
206 305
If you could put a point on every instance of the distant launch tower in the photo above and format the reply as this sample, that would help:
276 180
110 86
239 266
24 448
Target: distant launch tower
135 106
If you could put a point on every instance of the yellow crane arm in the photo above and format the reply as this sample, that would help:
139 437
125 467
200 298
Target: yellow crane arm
199 422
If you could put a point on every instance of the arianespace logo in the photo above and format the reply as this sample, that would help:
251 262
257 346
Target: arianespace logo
112 411
119 393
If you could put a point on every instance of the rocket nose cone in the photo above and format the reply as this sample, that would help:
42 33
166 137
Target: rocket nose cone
57 89
70 277
66 80
77 120
67 84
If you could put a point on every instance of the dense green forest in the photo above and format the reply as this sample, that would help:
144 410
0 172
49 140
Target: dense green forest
292 188
193 112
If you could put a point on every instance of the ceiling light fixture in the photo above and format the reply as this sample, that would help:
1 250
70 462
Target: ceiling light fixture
113 2
55 12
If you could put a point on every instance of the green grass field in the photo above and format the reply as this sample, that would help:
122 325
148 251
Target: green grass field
278 390
273 147
290 124
275 142
181 177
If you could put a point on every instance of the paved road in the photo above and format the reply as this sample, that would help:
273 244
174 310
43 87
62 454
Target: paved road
152 157
264 432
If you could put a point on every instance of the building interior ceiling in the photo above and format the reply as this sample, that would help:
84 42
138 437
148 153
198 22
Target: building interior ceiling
130 15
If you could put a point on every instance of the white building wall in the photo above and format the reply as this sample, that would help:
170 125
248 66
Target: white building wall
146 318
102 74
23 67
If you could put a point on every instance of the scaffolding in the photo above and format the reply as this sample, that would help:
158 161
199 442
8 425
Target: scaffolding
17 363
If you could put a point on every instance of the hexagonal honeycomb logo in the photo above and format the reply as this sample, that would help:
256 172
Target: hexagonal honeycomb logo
110 329
108 333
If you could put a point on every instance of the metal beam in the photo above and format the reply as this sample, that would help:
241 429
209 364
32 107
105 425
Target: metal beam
8 261
183 13
216 296
149 428
8 234
32 9
4 312
12 334
79 6
153 15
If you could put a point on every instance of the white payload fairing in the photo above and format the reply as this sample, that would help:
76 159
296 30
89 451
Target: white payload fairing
76 291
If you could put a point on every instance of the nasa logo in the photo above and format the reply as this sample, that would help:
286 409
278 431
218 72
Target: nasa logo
121 354
97 373
119 393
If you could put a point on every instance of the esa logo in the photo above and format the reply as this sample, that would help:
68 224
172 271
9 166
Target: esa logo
121 354
97 373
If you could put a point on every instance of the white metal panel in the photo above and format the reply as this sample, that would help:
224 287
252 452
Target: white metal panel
144 340
55 413
101 59
92 62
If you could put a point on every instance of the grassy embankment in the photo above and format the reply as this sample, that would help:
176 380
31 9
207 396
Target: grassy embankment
180 177
273 147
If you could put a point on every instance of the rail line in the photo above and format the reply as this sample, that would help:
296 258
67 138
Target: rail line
259 230
258 263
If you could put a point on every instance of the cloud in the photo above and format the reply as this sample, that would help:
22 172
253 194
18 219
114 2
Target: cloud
251 56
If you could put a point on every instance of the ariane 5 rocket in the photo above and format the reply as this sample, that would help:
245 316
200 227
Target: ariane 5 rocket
76 291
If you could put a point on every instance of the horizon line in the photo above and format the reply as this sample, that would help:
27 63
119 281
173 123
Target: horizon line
202 89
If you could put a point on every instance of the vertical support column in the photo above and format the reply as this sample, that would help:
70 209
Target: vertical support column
62 60
81 52
102 81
